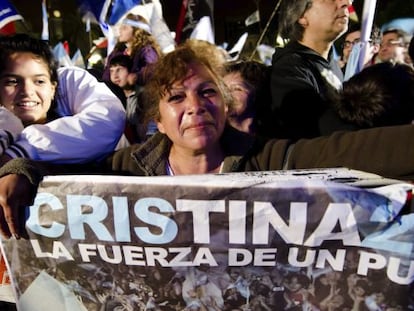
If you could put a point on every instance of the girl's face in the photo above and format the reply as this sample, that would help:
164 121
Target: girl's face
126 33
193 113
26 88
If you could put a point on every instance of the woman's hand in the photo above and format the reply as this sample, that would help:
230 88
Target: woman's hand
16 194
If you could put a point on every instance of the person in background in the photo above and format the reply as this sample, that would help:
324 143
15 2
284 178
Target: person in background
136 41
120 68
302 75
410 51
379 95
189 102
394 45
352 37
68 116
248 82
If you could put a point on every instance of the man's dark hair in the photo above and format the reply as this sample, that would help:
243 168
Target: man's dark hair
289 14
121 60
379 95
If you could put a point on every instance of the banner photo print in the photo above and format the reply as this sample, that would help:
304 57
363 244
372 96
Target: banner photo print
304 240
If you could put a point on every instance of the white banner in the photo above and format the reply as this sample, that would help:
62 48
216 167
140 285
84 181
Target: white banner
268 240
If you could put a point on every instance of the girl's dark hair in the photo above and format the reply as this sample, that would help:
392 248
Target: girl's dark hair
21 43
25 43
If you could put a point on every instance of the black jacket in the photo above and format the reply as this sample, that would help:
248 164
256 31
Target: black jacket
303 86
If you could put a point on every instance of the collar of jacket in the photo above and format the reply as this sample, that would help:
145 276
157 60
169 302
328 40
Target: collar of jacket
152 155
295 47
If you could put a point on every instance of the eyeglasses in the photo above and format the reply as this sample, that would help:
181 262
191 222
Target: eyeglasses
392 43
348 44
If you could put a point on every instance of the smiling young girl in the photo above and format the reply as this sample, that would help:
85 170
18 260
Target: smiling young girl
69 117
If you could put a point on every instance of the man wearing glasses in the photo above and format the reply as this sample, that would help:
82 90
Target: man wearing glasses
352 37
394 46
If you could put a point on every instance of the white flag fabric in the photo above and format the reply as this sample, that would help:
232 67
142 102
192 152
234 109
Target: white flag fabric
77 59
61 55
238 47
252 18
45 21
203 30
152 12
265 53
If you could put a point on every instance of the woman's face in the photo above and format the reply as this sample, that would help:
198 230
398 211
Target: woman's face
238 115
193 113
126 33
26 88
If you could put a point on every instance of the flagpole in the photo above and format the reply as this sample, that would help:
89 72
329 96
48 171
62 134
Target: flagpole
180 23
266 28
367 21
45 22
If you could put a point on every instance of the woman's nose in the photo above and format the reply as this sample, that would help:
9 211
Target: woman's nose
195 104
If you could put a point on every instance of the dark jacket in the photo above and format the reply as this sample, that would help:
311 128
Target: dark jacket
386 151
303 86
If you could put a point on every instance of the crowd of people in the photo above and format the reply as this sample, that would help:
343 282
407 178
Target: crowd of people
193 111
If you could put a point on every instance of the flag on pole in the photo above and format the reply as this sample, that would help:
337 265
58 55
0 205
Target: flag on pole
352 14
107 11
61 55
8 13
252 18
160 30
99 8
77 59
359 51
235 51
191 13
119 8
45 21
151 10
368 13
203 30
